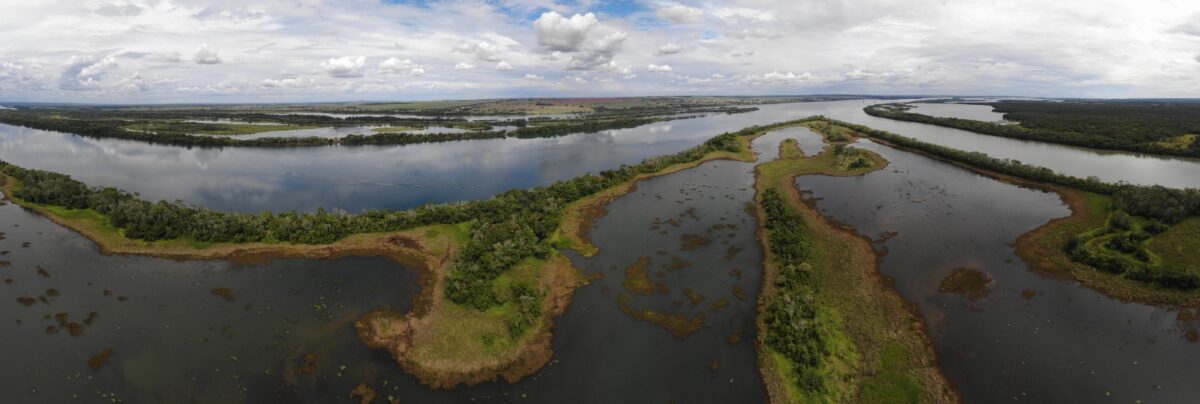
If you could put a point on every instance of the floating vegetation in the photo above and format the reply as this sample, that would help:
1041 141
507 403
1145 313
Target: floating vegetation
366 394
694 241
638 282
91 317
8 280
738 292
1029 294
42 271
75 329
690 212
100 359
309 365
677 324
718 305
26 244
4 264
52 292
734 338
694 296
736 273
732 252
26 301
972 283
224 293
677 264
51 329
715 365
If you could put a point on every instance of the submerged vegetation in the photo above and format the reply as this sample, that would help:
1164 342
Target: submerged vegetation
1168 129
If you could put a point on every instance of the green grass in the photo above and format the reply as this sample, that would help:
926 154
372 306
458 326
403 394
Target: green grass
892 384
1179 246
1178 142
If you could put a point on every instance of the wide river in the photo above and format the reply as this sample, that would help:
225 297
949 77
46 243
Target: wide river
174 340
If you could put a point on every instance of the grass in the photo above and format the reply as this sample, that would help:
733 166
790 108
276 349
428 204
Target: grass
1181 142
1179 246
394 129
883 354
1045 250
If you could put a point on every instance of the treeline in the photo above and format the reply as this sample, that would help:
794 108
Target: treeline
1133 142
114 129
505 230
1167 204
793 327
1145 122
1154 203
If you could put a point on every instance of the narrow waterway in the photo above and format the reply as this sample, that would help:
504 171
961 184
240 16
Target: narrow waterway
1030 338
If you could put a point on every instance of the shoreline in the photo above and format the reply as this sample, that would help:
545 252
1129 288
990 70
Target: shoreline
1052 260
906 330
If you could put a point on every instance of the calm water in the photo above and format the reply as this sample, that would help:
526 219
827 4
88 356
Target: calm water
174 340
961 111
340 131
1067 344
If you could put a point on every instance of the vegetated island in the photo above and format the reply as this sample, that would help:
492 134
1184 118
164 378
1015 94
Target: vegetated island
1164 129
1131 242
492 281
831 329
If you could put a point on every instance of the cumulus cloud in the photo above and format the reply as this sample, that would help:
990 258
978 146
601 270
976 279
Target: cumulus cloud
598 51
531 76
85 72
464 66
206 56
556 32
680 14
343 67
659 68
669 49
484 51
503 66
394 65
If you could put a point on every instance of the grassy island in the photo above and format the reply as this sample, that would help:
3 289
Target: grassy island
830 328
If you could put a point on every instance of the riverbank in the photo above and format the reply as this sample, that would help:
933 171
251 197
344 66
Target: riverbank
876 347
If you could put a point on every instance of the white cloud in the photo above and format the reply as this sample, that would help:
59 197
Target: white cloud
84 72
680 14
484 51
659 68
503 66
531 76
287 82
343 67
559 33
394 65
669 48
464 66
206 56
416 71
598 51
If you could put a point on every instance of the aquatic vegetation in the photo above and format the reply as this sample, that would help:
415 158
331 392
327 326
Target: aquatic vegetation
637 281
99 360
677 324
969 282
224 293
694 241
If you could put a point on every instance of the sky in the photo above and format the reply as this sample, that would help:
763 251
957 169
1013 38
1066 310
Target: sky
219 51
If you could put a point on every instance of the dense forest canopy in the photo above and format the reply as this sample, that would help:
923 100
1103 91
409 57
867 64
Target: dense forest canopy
1145 122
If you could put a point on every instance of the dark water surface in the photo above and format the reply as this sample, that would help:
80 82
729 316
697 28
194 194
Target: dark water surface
1066 343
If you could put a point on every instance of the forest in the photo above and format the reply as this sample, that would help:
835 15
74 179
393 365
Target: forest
793 327
1143 129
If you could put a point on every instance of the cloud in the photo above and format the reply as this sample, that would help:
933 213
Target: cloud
206 56
503 66
394 65
558 33
84 72
531 76
113 10
343 67
484 51
669 49
598 51
680 14
744 13
287 82
464 66
659 68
